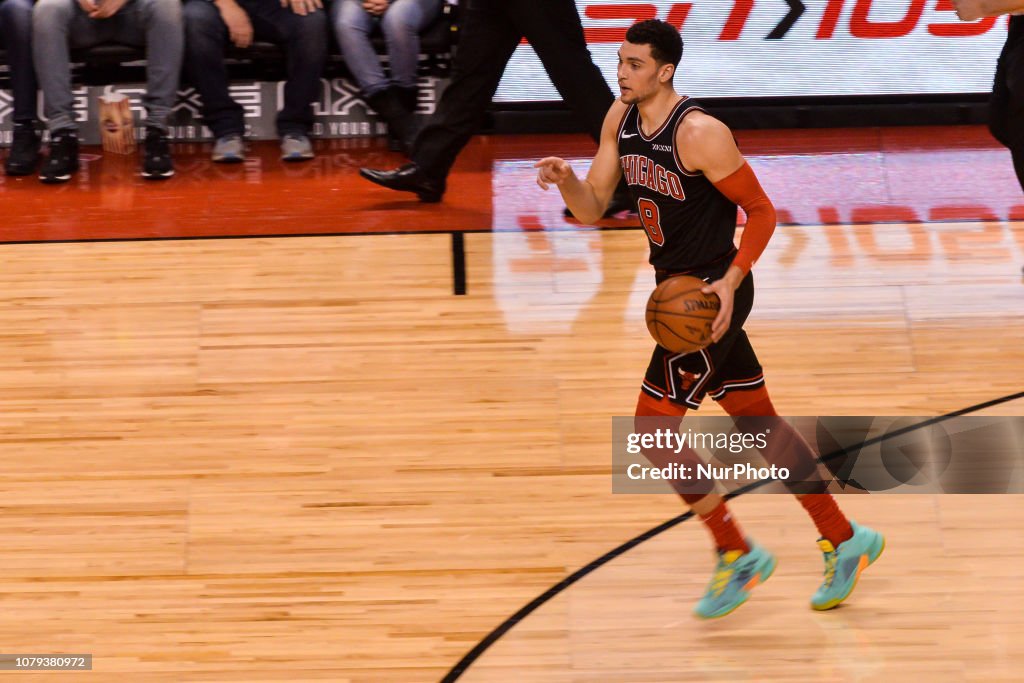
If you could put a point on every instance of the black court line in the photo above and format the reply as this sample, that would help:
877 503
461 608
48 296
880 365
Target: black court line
569 228
458 237
467 660
458 263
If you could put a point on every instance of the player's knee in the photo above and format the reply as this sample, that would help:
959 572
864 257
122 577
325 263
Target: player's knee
788 449
755 414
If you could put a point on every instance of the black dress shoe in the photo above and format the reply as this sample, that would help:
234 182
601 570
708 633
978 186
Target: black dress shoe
407 178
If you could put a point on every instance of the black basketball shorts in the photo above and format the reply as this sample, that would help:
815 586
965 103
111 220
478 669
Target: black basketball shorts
727 365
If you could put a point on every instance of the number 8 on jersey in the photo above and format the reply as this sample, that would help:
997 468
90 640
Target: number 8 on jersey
650 217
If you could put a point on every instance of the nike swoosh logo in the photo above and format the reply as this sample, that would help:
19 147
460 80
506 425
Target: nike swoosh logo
624 136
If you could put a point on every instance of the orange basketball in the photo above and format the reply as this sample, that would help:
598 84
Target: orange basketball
679 315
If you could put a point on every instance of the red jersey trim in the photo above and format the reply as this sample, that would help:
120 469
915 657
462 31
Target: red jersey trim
622 123
675 148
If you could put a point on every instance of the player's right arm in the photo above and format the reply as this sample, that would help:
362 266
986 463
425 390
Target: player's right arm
588 199
972 10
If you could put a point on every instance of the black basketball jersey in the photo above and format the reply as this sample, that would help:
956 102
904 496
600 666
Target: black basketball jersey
689 223
1016 30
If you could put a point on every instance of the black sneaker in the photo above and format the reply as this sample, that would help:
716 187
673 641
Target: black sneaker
156 162
62 161
24 155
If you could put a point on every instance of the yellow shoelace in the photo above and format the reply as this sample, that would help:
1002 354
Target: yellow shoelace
723 572
830 568
831 558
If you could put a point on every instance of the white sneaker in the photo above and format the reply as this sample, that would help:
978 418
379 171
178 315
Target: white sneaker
229 149
296 148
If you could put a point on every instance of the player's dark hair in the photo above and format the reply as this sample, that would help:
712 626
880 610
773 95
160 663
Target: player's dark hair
665 41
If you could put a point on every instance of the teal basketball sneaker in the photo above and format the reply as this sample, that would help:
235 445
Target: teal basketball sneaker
736 574
844 564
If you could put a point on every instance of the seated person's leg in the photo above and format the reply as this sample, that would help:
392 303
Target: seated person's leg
161 29
402 24
16 29
304 39
353 26
206 39
157 24
57 25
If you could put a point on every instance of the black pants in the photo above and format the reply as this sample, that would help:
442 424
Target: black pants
490 32
304 39
16 30
1006 112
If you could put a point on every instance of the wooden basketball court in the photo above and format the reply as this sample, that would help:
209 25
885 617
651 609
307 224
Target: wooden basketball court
286 452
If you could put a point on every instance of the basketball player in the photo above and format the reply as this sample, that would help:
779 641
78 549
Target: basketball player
1006 106
687 176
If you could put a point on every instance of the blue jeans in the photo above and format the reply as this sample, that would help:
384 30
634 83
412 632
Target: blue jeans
58 25
401 24
304 39
16 30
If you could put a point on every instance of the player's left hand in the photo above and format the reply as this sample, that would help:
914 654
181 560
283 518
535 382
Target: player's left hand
725 289
968 10
725 295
